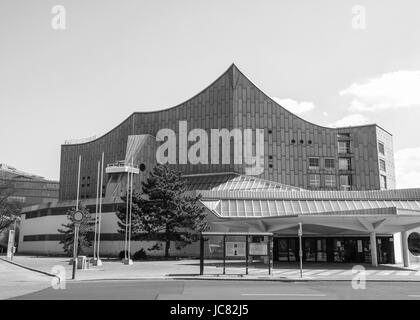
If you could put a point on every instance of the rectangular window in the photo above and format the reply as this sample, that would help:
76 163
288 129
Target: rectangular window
382 165
314 180
345 182
313 163
381 148
343 146
344 163
330 181
329 163
343 135
383 182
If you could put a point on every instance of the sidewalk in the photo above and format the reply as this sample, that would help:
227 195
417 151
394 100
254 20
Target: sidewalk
189 269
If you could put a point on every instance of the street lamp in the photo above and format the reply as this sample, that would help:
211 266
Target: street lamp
77 220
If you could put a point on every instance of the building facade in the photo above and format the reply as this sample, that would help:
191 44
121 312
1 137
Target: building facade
337 181
26 188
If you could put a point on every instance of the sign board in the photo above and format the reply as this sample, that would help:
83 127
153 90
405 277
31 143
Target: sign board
11 243
258 249
300 229
235 249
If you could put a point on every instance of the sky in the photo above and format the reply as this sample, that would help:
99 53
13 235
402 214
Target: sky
333 63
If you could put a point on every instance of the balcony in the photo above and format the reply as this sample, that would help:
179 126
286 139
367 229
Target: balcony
122 167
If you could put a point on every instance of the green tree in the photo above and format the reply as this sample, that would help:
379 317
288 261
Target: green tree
85 231
164 211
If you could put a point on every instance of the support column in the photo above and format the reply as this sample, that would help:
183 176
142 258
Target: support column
373 252
404 248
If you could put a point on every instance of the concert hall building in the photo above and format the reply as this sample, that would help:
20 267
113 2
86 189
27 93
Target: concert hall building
338 182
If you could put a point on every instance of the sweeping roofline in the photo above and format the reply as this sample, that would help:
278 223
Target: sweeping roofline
233 65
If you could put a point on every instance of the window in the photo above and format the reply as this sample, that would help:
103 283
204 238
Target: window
344 164
343 146
381 147
345 182
343 135
313 163
414 243
314 180
270 157
383 182
330 181
382 165
329 163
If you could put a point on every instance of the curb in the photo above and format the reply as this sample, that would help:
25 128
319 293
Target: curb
170 278
31 269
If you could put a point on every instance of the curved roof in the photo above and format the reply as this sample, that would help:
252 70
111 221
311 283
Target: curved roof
234 73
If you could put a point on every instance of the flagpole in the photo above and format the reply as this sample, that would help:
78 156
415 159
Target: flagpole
100 210
131 207
126 217
96 212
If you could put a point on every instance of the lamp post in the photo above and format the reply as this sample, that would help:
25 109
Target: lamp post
77 219
300 248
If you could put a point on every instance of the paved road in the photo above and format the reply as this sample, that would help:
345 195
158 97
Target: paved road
202 289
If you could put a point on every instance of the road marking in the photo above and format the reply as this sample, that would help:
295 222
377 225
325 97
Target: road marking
417 273
414 295
284 294
403 273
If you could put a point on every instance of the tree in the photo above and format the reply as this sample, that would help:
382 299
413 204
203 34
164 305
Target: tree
9 209
164 212
85 231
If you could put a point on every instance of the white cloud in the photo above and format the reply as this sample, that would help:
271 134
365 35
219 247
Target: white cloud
350 120
407 168
390 90
294 106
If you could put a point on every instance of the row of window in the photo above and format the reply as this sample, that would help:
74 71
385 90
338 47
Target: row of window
329 163
330 181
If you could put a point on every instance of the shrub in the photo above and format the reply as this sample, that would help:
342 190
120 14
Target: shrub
140 255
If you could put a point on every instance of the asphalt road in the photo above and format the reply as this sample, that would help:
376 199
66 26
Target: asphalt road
225 290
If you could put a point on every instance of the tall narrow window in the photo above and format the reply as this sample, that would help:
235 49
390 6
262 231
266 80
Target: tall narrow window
382 165
381 148
383 182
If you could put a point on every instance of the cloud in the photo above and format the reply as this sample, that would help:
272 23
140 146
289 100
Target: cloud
390 90
407 168
294 106
350 120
